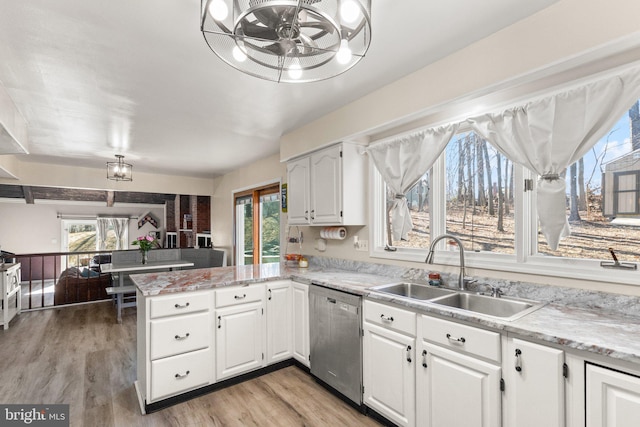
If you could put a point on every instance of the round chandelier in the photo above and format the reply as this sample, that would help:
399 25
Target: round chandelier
288 40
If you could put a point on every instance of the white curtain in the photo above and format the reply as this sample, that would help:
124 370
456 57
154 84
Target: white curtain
120 228
401 162
102 229
549 134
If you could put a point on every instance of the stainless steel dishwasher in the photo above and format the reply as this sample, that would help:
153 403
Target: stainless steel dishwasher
335 336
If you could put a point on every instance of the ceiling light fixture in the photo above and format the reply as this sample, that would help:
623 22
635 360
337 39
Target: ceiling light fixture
288 40
119 170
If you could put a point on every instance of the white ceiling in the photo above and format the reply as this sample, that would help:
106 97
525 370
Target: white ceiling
98 78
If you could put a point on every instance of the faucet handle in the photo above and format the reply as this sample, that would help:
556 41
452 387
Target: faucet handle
496 292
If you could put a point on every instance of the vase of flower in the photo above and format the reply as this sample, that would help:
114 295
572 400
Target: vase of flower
146 243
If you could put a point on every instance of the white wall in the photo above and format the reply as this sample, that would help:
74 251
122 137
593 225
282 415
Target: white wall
37 229
560 32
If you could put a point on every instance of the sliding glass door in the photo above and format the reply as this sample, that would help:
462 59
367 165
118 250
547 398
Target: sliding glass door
257 225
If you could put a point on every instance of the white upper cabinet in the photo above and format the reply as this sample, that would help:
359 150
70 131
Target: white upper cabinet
327 187
298 189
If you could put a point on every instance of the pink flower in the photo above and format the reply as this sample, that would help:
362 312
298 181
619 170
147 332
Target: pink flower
141 237
149 238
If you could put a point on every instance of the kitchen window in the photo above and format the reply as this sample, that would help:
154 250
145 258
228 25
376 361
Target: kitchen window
257 225
477 194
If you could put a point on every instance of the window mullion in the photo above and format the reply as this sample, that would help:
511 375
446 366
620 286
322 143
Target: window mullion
438 222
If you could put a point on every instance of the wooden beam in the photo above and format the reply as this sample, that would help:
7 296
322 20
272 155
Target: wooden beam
110 198
28 194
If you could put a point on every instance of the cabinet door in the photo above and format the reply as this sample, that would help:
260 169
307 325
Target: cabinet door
301 323
298 187
278 321
613 398
239 338
534 380
389 374
326 186
455 390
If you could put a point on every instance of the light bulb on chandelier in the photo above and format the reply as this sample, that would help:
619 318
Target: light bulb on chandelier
344 55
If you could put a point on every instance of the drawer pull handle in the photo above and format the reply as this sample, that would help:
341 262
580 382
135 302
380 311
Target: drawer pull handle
219 322
386 318
518 360
243 296
409 353
182 306
179 377
424 358
184 337
460 340
269 294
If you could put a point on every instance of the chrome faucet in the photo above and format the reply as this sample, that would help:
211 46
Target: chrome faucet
429 260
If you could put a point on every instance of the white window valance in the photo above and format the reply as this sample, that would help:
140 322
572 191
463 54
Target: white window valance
547 135
401 162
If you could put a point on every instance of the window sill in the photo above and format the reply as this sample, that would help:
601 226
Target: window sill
537 265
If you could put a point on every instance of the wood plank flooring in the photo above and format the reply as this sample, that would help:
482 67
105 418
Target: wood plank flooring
79 355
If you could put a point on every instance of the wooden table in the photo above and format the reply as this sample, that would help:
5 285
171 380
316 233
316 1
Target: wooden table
120 290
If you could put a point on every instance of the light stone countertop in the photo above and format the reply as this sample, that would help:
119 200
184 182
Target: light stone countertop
603 332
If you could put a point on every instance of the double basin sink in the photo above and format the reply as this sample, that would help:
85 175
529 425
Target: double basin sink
505 308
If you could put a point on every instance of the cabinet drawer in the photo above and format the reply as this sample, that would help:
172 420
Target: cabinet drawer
183 303
239 295
180 334
460 337
393 318
177 374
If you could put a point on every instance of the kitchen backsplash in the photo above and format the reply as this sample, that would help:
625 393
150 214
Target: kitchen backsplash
579 298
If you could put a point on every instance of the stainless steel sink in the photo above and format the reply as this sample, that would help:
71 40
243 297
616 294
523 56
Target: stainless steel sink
505 308
413 290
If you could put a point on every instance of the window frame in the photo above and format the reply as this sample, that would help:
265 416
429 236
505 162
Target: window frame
526 260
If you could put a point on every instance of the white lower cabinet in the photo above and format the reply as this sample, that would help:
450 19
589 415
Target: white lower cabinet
459 373
534 379
389 374
300 327
239 339
279 311
612 397
177 374
456 390
175 346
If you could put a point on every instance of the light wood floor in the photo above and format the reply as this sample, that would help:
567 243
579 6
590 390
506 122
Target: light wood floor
79 355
